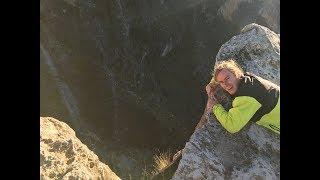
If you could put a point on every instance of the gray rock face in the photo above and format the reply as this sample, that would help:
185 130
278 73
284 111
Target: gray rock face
63 156
256 49
253 152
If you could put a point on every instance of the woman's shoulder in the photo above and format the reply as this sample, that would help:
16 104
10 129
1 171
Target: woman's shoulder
254 85
249 85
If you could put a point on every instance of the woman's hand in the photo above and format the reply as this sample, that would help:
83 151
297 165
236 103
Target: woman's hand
211 102
209 89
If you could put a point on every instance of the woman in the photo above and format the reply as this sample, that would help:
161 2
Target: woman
253 99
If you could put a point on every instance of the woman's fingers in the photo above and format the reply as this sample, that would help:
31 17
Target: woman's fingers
212 96
209 89
211 93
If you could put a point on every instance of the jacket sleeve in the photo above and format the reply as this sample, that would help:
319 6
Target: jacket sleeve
244 107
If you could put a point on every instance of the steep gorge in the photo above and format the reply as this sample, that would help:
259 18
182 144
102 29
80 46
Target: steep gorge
131 74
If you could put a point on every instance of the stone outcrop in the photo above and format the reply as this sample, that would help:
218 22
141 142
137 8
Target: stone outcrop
64 156
253 152
256 49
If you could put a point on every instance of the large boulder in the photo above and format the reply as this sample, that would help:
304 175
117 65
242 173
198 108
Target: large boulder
63 156
256 49
253 152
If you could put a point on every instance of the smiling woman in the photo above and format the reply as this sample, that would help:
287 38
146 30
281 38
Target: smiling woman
228 81
254 98
136 69
227 74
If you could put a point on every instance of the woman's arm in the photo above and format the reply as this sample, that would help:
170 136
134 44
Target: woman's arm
244 107
210 102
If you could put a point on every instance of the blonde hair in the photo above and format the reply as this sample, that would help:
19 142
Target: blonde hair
228 64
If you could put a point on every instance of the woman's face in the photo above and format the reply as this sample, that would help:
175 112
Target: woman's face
228 81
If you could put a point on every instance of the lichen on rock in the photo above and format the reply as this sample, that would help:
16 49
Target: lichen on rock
256 49
64 156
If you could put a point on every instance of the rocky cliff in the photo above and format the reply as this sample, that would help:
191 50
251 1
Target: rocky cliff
254 152
131 73
102 55
64 156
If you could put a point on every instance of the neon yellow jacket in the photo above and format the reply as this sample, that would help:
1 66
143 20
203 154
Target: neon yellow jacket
255 100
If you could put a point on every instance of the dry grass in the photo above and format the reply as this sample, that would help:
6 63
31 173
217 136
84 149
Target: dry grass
161 161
